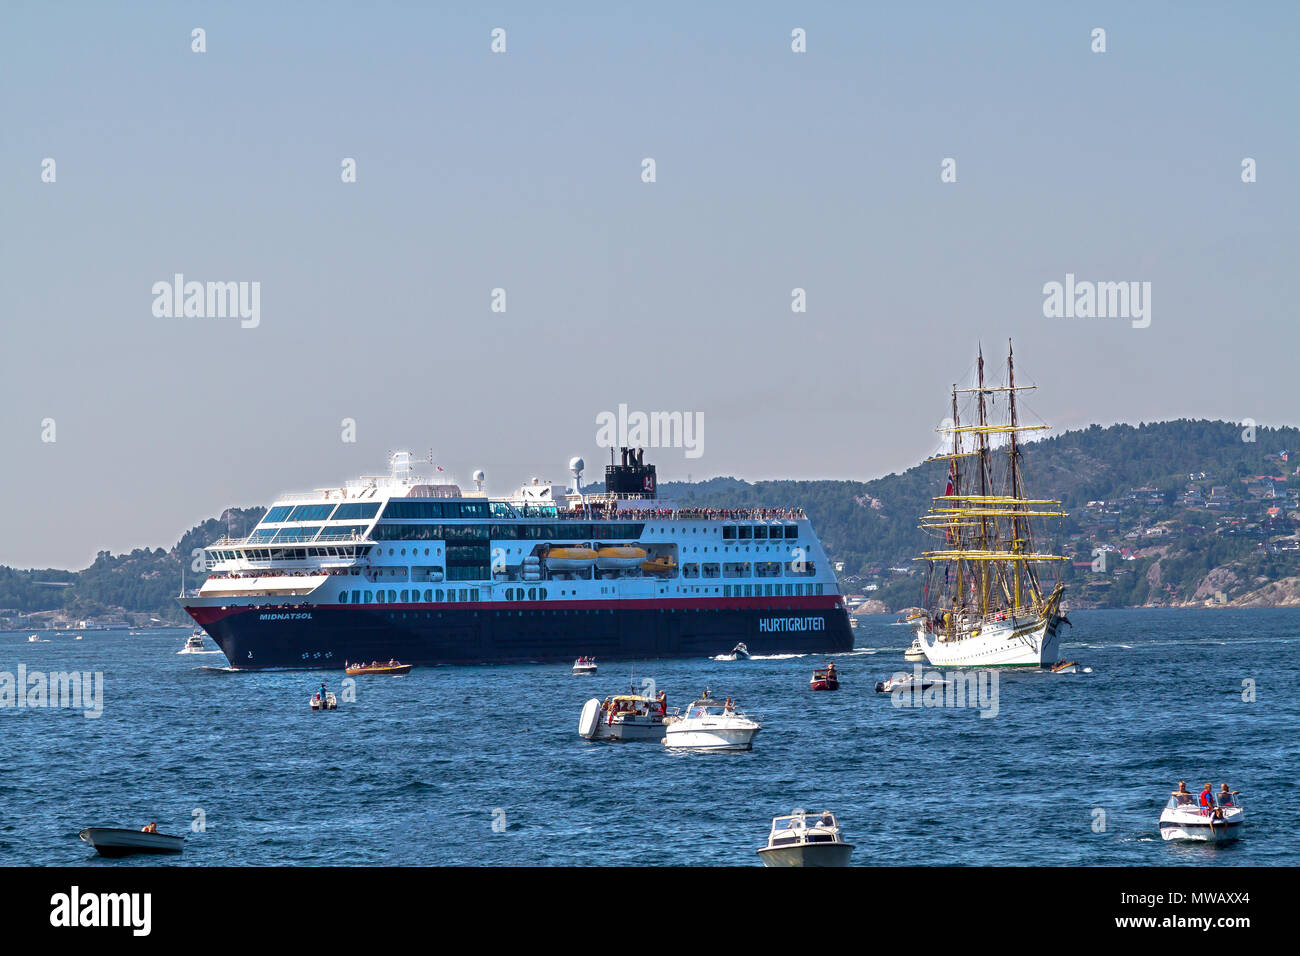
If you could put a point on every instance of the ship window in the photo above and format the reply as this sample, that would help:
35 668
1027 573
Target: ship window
419 509
474 509
728 532
792 531
278 513
760 531
690 570
311 513
746 532
356 509
379 597
392 596
726 590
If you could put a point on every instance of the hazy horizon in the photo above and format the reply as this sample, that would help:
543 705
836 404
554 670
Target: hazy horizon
522 171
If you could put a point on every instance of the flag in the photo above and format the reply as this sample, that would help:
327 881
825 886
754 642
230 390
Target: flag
439 467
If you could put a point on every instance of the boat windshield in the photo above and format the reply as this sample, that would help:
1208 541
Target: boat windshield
801 821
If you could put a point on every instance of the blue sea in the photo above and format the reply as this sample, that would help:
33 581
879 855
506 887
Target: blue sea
483 765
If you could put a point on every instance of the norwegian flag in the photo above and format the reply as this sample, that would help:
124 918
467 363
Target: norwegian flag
439 467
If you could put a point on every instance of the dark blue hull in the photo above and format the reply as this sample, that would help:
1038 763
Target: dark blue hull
327 636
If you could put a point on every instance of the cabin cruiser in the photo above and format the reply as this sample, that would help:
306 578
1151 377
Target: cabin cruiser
801 839
825 678
584 665
119 841
712 724
1184 819
193 644
625 717
914 652
738 653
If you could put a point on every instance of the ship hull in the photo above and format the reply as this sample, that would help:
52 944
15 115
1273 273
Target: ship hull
325 636
1033 643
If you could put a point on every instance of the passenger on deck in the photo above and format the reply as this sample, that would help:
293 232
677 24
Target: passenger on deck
1181 795
1207 798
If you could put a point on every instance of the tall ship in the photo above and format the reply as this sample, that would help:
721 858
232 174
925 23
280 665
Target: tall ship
410 567
991 596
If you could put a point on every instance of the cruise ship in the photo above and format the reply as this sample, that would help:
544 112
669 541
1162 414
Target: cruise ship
412 567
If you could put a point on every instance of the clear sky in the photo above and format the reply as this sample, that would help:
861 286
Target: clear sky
775 170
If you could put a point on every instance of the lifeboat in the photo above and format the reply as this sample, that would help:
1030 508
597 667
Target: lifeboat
570 559
661 565
620 558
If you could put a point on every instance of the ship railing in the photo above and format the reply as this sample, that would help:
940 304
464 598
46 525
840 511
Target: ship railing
692 514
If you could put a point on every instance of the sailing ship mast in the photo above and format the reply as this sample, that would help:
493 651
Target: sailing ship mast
988 536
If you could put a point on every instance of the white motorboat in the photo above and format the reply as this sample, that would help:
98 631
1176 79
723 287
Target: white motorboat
1069 667
584 665
625 717
330 702
801 839
1184 819
915 651
193 644
903 682
118 841
34 639
711 724
740 652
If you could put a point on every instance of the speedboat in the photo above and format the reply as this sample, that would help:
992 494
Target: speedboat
392 668
711 724
193 644
1184 819
740 652
329 703
584 665
34 639
825 678
803 840
118 841
902 682
914 652
625 717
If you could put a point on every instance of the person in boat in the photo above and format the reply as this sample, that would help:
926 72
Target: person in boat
826 819
726 707
1226 796
1181 794
323 692
150 827
663 704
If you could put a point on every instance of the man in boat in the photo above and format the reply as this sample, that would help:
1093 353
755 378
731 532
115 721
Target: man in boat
1181 793
663 705
1226 796
322 694
149 828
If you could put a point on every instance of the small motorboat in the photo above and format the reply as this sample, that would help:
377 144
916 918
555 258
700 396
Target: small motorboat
374 667
193 644
625 717
118 841
77 638
330 702
34 639
1069 667
801 839
584 665
1184 819
825 678
915 651
711 724
903 682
